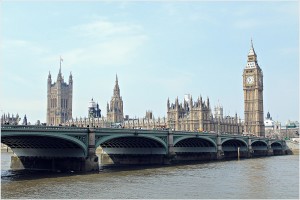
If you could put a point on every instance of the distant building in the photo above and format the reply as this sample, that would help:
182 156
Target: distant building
148 122
253 96
272 128
114 117
59 100
197 116
115 109
94 118
292 124
94 110
269 123
218 111
10 119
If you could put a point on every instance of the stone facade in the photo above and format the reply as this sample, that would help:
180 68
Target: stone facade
253 96
148 122
59 100
197 116
98 122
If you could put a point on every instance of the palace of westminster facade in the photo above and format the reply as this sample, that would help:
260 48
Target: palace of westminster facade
189 115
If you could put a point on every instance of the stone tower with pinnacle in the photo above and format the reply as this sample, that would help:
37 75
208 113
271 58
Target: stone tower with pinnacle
115 109
253 96
59 99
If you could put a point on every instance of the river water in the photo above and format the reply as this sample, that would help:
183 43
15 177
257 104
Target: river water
274 177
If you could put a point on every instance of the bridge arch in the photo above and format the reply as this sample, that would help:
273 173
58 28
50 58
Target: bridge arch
259 145
53 140
177 140
133 142
276 146
231 147
276 143
261 142
235 141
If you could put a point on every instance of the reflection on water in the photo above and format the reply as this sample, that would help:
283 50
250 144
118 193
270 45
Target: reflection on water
272 177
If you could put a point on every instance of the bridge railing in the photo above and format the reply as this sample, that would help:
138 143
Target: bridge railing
44 128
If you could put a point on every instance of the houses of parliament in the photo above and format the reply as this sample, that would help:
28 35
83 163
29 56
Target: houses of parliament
188 115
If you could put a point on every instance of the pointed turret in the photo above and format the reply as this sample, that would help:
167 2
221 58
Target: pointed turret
191 102
168 103
24 120
59 75
70 78
49 76
207 102
200 100
49 80
176 102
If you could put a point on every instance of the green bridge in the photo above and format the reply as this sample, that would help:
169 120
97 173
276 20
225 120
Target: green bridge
73 148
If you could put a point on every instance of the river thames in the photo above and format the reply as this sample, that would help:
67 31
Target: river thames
274 177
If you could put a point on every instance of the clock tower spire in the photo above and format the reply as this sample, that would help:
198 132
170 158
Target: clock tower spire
253 96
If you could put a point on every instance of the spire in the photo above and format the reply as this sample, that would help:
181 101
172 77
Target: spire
117 89
252 58
252 52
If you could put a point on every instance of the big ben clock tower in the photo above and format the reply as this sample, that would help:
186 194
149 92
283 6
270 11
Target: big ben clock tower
253 96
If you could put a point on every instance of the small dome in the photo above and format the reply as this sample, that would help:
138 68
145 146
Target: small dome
92 104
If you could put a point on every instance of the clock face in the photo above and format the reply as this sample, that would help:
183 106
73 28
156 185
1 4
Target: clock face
250 80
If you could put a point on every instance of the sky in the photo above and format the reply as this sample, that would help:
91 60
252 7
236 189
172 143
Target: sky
158 49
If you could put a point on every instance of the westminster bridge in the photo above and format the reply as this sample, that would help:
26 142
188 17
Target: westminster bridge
74 148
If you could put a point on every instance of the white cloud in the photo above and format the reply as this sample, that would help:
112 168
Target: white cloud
247 24
106 43
289 51
13 45
103 28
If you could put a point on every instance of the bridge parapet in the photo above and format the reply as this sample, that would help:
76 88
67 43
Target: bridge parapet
34 128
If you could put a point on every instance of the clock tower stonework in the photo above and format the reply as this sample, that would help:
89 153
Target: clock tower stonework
253 96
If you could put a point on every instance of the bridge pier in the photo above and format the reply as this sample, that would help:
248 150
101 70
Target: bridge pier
270 150
220 152
250 150
51 164
171 153
91 162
